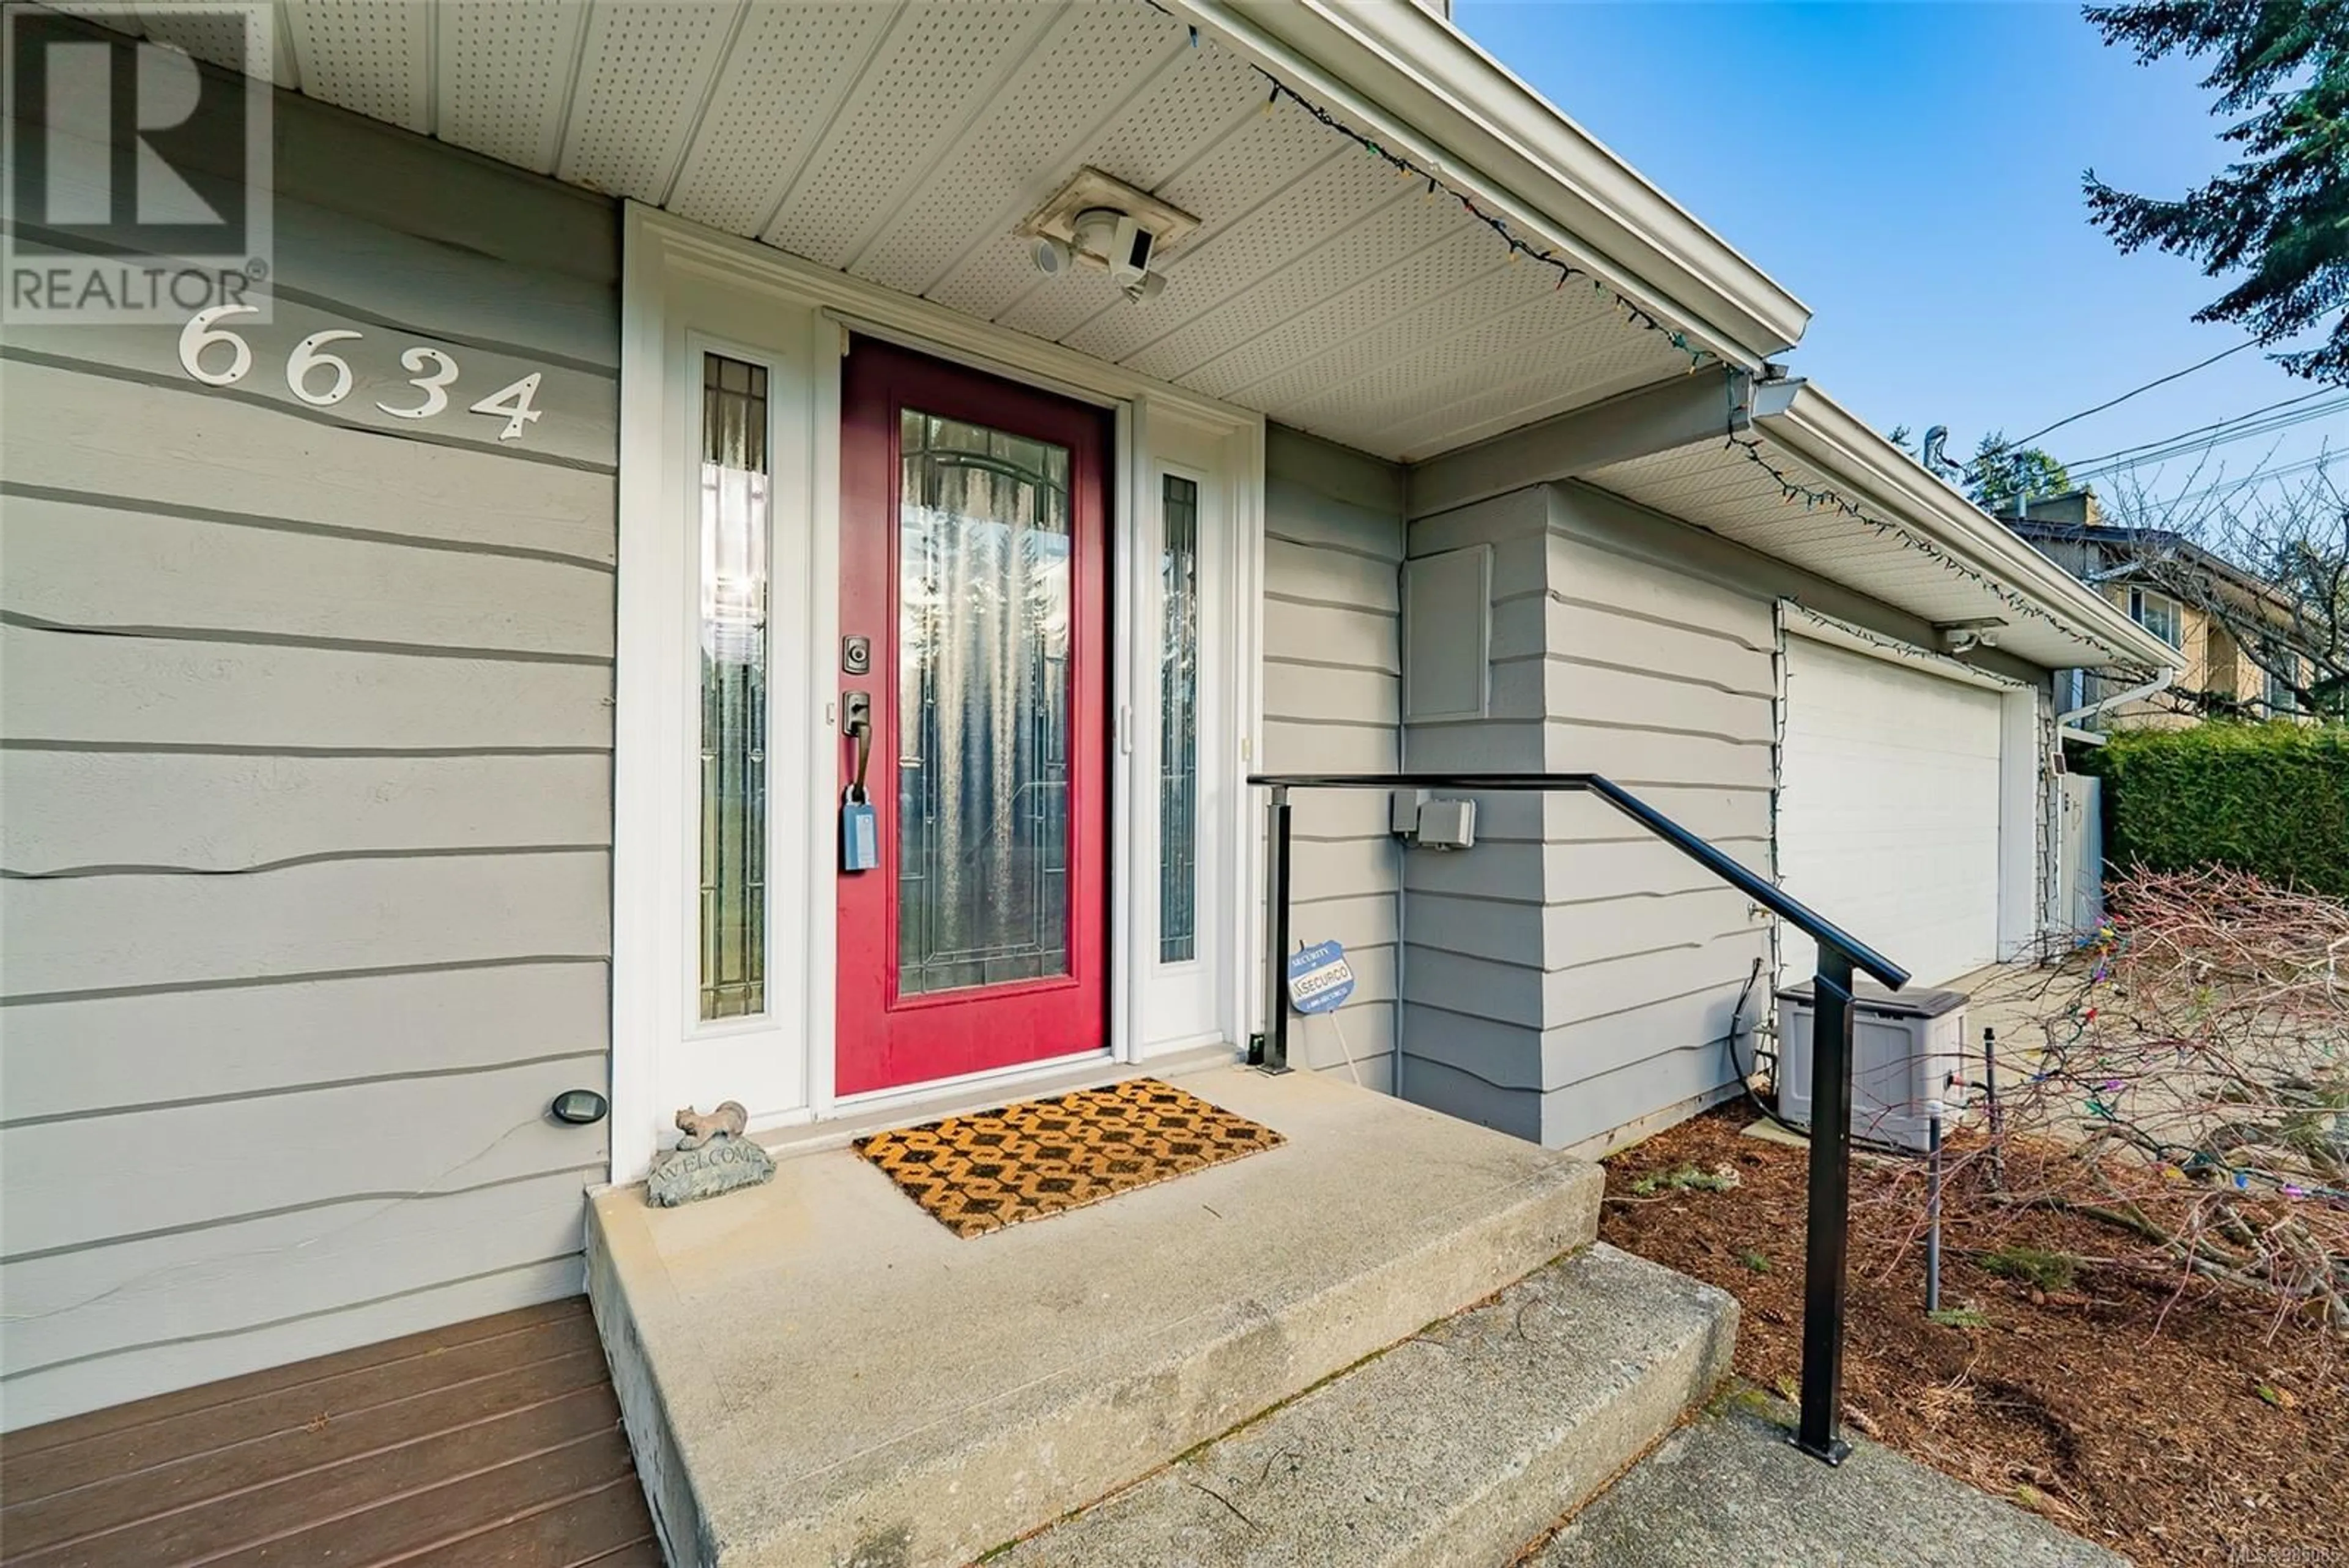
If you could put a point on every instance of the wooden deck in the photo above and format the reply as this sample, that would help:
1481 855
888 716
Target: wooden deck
495 1441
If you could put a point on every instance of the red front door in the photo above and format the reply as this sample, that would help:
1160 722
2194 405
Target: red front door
974 544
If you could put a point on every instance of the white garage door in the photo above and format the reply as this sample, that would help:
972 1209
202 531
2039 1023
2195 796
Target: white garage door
1887 811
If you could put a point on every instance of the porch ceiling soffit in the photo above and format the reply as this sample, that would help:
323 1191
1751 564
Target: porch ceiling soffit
904 144
1401 63
1957 565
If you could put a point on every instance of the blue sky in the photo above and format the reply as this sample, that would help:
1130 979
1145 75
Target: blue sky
1913 172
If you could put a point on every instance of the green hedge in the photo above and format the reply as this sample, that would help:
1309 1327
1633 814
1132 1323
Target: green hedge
2270 799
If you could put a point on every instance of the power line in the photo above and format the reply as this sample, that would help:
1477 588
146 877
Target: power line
2248 480
2005 447
2196 443
2183 436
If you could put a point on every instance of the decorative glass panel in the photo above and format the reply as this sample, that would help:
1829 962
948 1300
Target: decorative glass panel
1178 710
734 504
984 605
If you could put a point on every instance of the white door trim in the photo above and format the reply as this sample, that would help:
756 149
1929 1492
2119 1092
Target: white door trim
683 285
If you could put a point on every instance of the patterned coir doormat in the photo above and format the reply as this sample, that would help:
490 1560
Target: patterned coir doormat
979 1173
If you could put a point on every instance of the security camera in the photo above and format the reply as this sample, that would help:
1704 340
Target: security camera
1052 257
1098 221
1129 253
1105 237
1117 241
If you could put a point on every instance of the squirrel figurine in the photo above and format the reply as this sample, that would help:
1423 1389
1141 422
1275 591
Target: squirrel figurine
727 1121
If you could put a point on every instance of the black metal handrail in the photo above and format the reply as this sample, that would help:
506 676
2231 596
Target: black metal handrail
1839 955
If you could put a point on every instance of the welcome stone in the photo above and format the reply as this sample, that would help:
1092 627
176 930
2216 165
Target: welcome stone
721 1165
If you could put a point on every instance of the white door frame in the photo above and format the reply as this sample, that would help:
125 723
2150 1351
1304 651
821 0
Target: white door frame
686 288
2021 816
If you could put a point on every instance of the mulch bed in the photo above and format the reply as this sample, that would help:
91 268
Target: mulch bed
2175 1427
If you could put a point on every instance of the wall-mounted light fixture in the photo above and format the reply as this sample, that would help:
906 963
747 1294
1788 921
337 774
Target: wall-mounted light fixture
1965 636
579 1107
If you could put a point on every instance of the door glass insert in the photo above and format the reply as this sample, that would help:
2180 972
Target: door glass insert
733 582
984 579
1178 705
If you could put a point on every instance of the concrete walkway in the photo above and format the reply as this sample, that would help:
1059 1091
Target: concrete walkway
1727 1488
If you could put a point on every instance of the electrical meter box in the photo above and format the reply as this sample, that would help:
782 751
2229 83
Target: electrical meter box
1907 1048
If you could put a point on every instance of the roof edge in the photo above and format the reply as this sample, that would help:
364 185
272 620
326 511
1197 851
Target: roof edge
1400 72
1823 431
2215 565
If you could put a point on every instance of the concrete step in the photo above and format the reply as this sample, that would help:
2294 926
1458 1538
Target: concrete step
1456 1447
814 1372
1727 1488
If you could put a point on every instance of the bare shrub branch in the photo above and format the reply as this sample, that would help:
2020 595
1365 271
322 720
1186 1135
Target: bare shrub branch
2184 1080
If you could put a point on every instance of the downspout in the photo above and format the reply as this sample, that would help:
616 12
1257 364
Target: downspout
2066 722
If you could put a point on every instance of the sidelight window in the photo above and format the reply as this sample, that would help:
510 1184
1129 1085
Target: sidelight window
1178 702
735 502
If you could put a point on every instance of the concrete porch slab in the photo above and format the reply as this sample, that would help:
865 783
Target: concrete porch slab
814 1372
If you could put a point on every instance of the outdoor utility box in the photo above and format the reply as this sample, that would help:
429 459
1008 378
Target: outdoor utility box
1907 1048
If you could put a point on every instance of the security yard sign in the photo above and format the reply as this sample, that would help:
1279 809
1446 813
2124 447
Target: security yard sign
1319 979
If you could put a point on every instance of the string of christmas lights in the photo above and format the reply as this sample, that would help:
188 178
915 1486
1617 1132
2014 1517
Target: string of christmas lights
1519 248
2101 1091
1889 645
1813 496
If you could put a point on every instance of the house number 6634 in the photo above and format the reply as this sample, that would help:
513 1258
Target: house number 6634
219 358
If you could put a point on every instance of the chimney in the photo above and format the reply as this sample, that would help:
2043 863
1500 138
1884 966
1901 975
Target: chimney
2075 507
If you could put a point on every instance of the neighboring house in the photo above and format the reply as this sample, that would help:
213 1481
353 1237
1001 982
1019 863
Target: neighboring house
392 748
2201 605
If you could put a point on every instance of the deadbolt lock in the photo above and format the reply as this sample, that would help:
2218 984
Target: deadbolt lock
856 656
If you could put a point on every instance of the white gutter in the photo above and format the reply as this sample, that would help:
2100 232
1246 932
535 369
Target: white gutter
2159 683
1408 78
1822 433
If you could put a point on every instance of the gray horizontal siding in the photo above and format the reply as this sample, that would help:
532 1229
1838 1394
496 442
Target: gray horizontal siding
1675 1024
76 1309
96 566
575 404
76 812
1486 901
163 686
210 1162
304 734
192 455
1332 698
104 933
1553 966
1571 977
93 1059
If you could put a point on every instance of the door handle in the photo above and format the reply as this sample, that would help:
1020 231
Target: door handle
856 715
859 849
